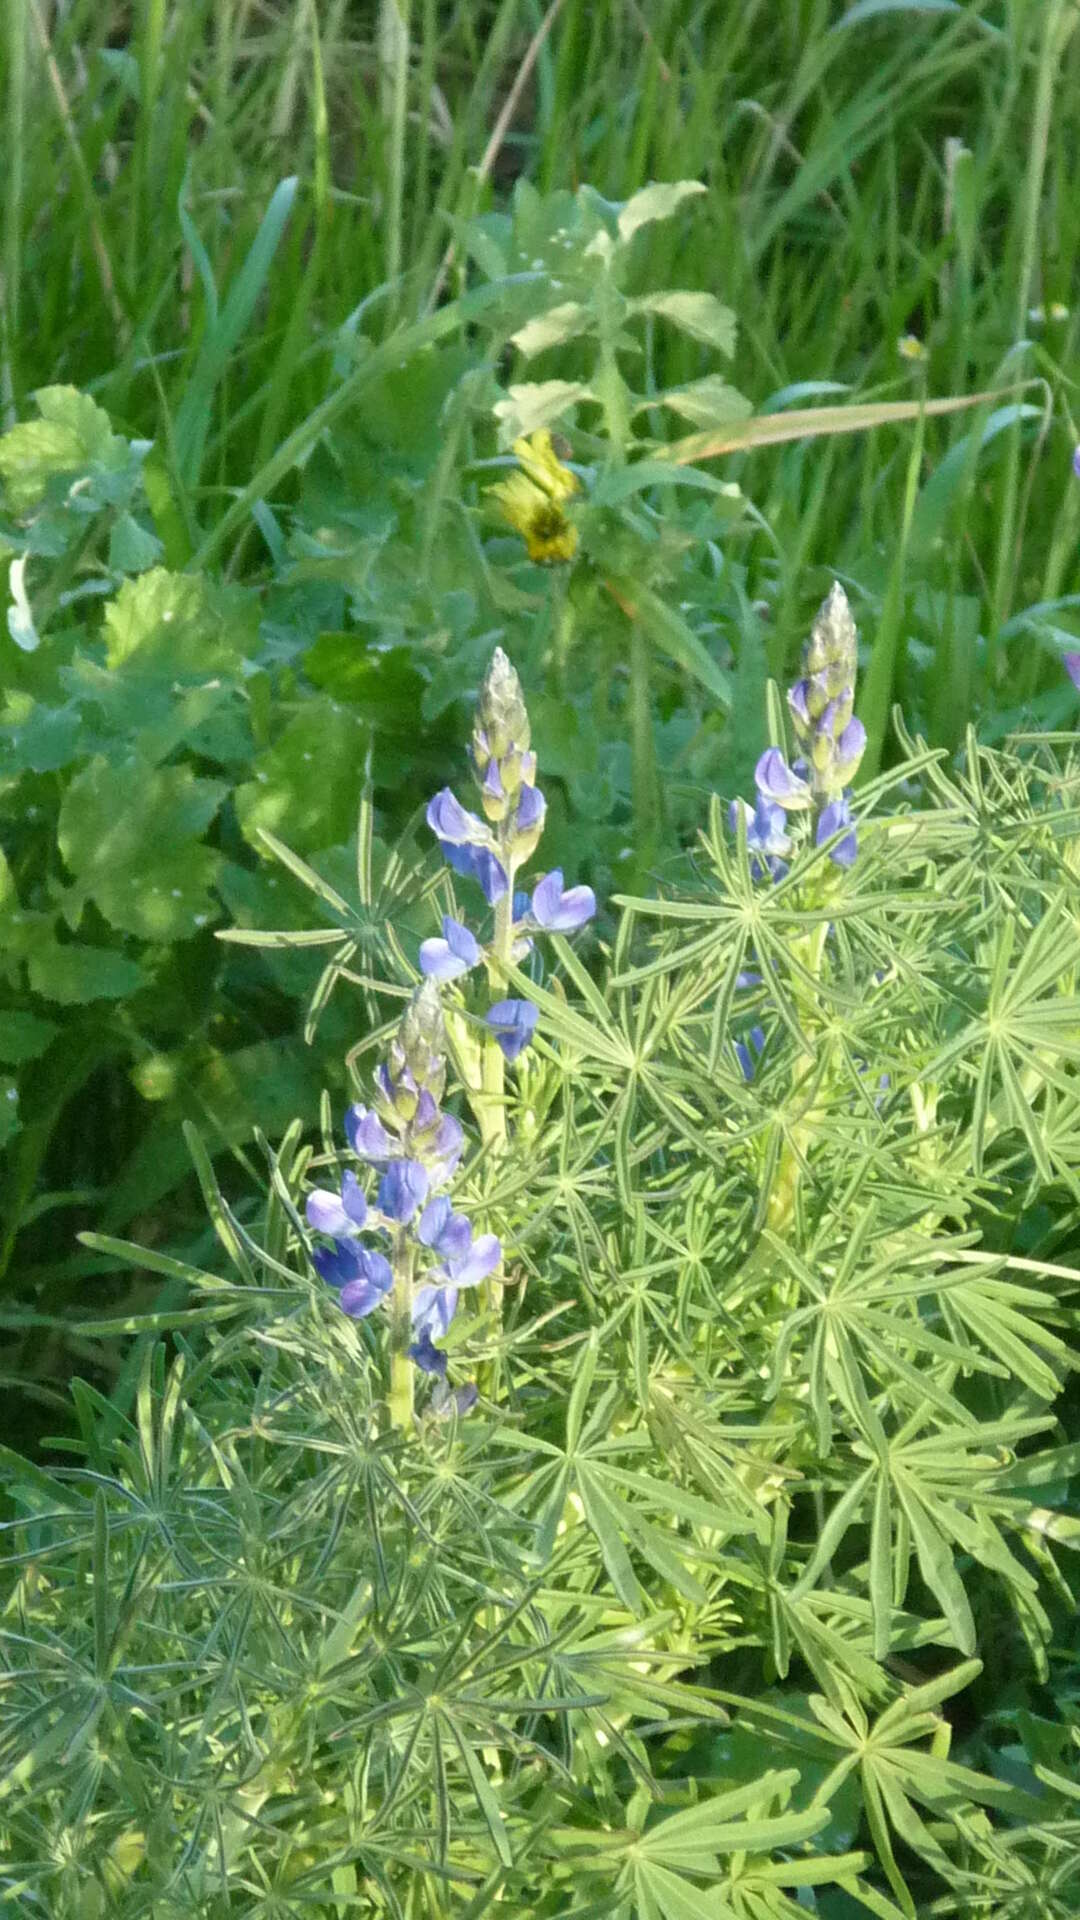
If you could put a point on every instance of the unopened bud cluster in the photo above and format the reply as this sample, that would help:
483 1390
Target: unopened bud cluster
830 742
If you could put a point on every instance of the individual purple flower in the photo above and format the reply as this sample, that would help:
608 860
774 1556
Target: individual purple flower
513 1023
456 953
367 1136
766 829
337 1215
558 911
460 1401
850 748
403 1187
531 808
427 1357
363 1276
441 1147
450 821
476 1263
433 1308
831 819
1076 462
778 783
447 1233
476 863
1071 661
749 1051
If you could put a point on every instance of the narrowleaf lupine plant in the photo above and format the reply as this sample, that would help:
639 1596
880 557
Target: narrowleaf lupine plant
690 1621
432 1256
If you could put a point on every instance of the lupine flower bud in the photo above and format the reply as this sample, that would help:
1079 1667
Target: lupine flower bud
420 1042
501 718
822 702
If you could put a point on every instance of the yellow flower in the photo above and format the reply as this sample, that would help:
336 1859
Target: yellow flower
531 500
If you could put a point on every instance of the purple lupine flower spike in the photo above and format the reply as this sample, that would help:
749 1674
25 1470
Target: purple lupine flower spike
749 1051
433 1309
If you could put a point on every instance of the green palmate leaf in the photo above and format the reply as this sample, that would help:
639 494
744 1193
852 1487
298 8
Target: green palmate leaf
130 837
72 438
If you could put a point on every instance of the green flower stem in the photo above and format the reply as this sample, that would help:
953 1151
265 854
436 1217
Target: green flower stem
781 1210
491 1108
401 1367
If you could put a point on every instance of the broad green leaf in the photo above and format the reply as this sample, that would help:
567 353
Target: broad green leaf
550 329
74 973
131 547
72 436
178 624
669 631
9 1107
710 402
536 404
24 1036
306 787
656 202
700 315
130 837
